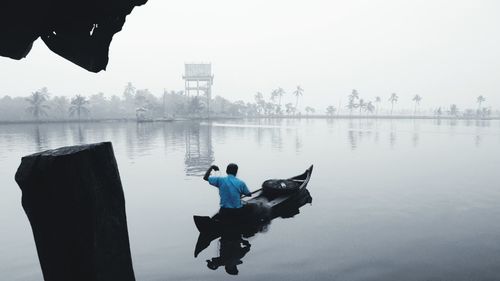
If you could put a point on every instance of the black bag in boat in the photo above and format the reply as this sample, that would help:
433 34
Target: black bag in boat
277 187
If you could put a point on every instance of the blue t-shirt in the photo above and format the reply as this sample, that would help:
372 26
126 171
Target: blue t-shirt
230 190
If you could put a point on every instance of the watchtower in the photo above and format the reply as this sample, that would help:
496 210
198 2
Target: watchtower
198 77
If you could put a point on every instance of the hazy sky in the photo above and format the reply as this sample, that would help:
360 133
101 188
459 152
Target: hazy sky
444 50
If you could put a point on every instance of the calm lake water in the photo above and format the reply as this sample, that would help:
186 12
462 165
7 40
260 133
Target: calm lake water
392 200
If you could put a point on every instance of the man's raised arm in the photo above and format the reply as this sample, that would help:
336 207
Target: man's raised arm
207 174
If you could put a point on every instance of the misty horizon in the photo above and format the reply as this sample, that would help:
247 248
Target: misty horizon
143 105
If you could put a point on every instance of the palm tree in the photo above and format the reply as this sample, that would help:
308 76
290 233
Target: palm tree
129 91
274 95
277 94
480 100
280 93
259 100
361 105
258 97
370 107
352 97
416 99
297 93
37 105
439 112
309 110
393 99
351 105
78 106
330 110
289 109
486 112
378 100
453 110
269 108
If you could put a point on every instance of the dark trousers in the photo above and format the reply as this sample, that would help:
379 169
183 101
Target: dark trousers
231 215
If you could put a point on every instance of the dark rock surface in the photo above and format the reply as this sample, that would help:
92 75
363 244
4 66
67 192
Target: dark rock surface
78 30
74 200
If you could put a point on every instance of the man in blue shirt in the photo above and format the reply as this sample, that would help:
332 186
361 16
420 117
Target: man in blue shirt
230 187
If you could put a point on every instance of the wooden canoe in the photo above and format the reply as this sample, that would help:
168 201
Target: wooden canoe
259 210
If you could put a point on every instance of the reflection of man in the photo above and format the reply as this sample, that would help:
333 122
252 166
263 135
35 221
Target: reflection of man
231 253
230 189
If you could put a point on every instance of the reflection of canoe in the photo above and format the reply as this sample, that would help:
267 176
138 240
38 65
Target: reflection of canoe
262 206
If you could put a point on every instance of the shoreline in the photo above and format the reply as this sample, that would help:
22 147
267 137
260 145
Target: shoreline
184 119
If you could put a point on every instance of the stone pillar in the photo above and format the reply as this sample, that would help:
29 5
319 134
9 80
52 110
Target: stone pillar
74 201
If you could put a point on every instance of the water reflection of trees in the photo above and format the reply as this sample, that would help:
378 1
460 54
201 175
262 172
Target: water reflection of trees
195 140
416 133
38 138
351 135
361 129
145 136
269 128
392 135
477 140
352 139
191 137
79 134
298 142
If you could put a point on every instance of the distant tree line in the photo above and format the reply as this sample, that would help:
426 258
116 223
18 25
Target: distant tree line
355 102
42 105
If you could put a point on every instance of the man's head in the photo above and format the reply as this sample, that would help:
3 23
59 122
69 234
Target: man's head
232 269
232 169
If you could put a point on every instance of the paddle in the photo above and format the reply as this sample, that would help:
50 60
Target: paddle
252 193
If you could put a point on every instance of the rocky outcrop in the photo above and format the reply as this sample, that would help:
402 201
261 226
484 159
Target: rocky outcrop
78 30
74 200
